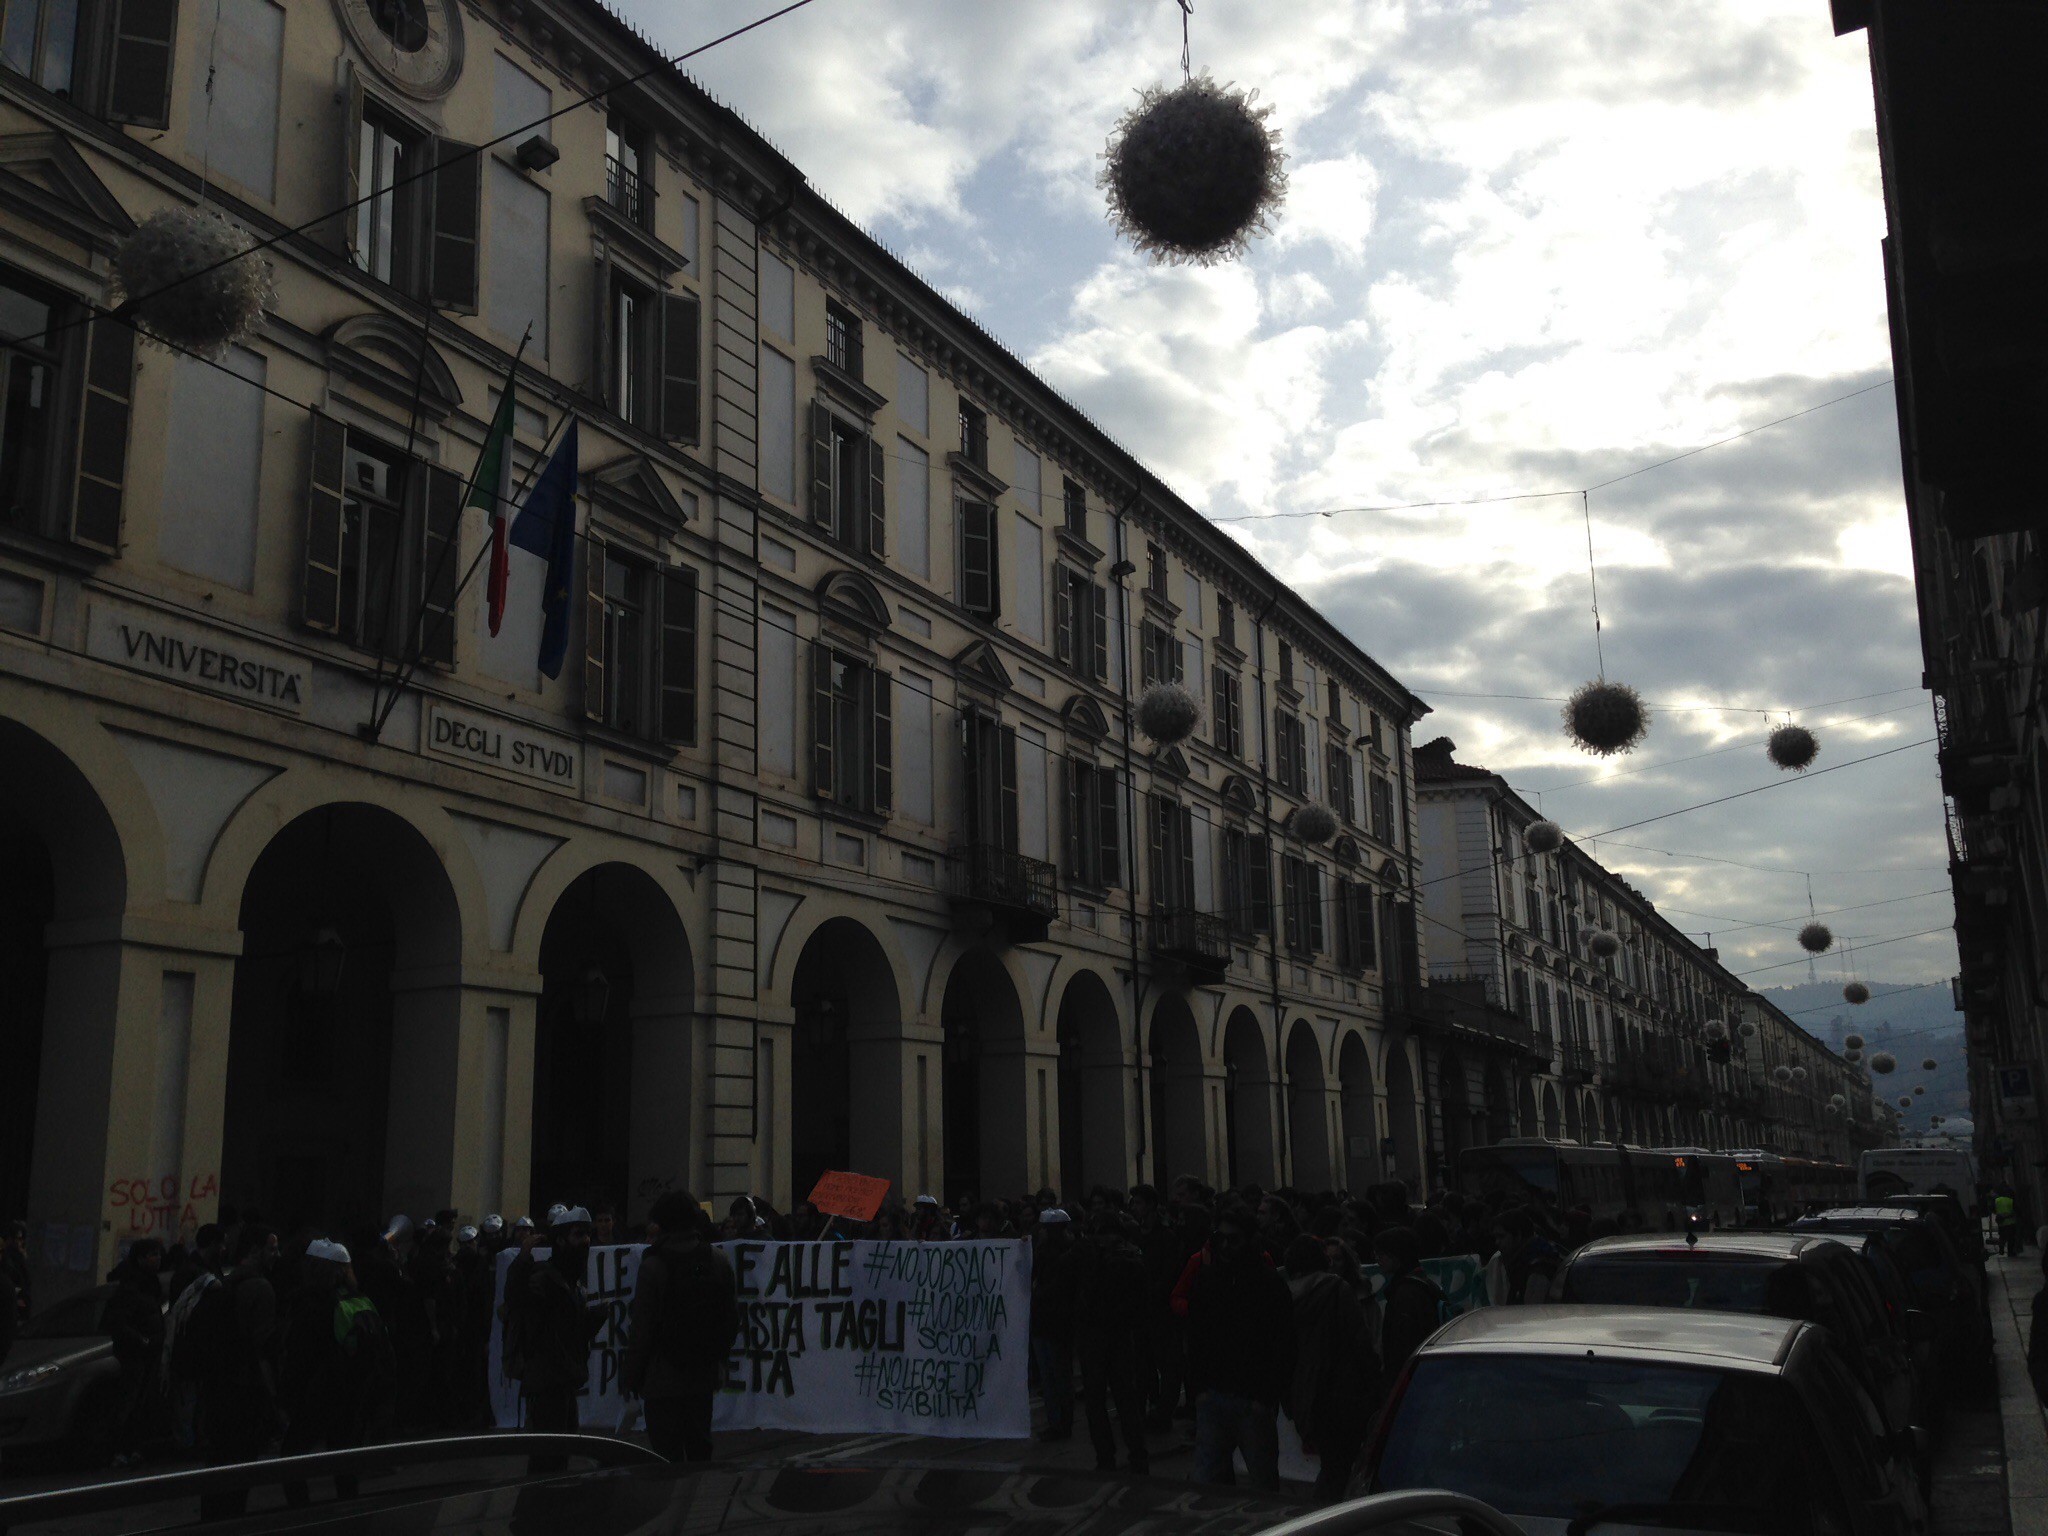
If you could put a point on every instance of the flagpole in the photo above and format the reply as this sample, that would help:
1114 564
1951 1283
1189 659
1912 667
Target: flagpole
398 686
411 664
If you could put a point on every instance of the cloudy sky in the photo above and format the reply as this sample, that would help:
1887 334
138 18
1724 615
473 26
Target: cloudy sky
1526 247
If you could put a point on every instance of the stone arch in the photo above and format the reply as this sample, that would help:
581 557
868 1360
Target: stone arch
347 1033
1361 1160
847 1093
1092 1145
995 1096
791 937
1404 1127
613 1032
1308 1111
1574 1116
1180 1146
1250 1146
1552 1117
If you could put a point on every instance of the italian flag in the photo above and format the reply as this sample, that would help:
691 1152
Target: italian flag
492 490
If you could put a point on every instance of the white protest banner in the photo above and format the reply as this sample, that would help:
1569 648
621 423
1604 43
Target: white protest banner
837 1337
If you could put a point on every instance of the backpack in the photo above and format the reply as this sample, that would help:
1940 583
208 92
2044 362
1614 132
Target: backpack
205 1325
701 1299
365 1345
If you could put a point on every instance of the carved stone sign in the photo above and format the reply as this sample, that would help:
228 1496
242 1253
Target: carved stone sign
491 741
198 656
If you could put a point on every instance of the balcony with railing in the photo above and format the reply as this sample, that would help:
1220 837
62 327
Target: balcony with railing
1022 892
626 191
1196 940
1468 1005
1576 1065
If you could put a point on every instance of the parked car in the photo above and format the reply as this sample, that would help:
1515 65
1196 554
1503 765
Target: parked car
1571 1418
1964 1230
1941 1282
1781 1274
1908 1318
60 1387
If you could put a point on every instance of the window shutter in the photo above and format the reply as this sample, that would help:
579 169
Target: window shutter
320 586
1312 887
821 465
103 435
1283 761
978 558
878 500
1109 827
1260 871
882 758
1367 950
139 74
1186 897
681 367
601 342
351 177
593 630
822 718
1008 738
1219 708
1178 654
1290 904
440 532
1156 845
679 654
458 217
1076 821
1098 629
1063 616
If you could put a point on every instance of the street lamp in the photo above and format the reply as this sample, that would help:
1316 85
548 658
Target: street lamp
592 998
321 961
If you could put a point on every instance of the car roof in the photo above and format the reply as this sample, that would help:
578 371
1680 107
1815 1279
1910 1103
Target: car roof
1676 1334
1888 1214
1776 1245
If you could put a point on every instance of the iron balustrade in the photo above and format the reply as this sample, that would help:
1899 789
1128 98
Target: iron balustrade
1196 937
625 190
1002 878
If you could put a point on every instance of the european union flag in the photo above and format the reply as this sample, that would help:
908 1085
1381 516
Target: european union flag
546 526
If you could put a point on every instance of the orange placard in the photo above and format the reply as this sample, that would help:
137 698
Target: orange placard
856 1196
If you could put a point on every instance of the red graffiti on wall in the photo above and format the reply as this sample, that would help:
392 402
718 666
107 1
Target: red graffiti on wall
161 1207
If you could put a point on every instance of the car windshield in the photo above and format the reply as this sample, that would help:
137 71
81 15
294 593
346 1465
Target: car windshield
1554 1437
79 1317
1720 1284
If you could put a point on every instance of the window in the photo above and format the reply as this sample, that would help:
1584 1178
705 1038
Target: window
1521 1004
842 338
1543 1021
1226 711
385 241
1155 570
37 381
1301 894
1159 656
1080 610
1286 665
640 646
627 167
852 748
1356 948
991 782
1226 622
1334 707
1247 882
647 366
1372 730
979 583
1290 751
40 39
1337 778
380 559
1094 829
1076 508
1173 855
849 493
973 434
1382 790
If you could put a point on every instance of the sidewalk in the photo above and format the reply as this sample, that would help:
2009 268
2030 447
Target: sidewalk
2024 1427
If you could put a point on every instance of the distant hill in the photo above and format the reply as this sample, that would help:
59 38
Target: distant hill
1913 1023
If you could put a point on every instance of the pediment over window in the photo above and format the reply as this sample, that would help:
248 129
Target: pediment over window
1346 851
1391 868
852 599
386 356
45 180
1170 762
633 487
1085 718
1239 796
1516 945
979 666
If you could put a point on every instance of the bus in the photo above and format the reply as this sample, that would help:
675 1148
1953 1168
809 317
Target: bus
1887 1171
1653 1188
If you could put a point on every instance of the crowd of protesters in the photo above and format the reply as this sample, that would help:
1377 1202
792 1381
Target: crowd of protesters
1225 1308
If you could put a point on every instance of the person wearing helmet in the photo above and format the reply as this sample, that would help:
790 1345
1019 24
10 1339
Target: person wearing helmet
560 1324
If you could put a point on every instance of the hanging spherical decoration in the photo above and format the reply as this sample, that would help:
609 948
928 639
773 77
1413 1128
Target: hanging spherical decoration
1168 713
1856 993
1194 172
1837 1100
1799 1074
1606 718
1782 1073
1716 1031
1602 945
1854 1042
1884 1063
1852 1055
1816 938
1918 1090
1748 1029
1929 1064
1793 747
1313 823
1543 837
190 281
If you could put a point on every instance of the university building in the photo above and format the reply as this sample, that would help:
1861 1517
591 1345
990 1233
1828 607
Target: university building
1619 1046
834 844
